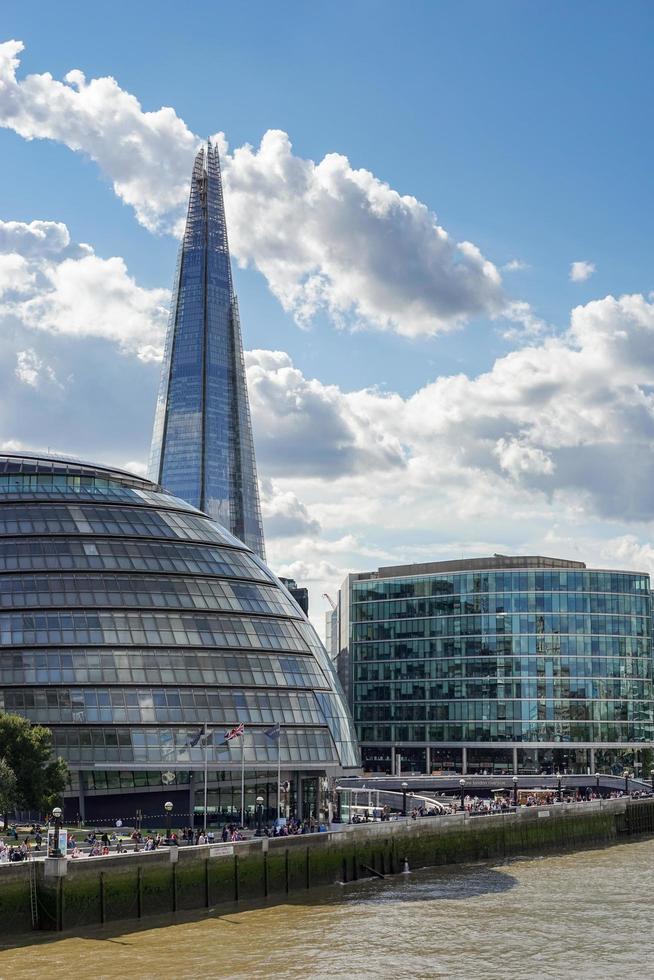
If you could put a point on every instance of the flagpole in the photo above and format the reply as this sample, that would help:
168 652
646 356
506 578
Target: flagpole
279 773
205 779
243 780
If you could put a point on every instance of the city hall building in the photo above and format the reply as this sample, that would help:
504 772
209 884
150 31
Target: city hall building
502 664
129 620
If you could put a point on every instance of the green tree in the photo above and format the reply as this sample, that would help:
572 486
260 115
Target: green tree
7 788
27 751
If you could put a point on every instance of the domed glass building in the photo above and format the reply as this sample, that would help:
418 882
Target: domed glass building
129 621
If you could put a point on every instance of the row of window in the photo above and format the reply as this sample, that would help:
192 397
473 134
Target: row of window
509 624
117 779
159 666
516 602
39 591
110 520
59 554
494 667
566 687
486 731
135 629
463 583
139 706
174 747
505 646
523 711
43 488
16 467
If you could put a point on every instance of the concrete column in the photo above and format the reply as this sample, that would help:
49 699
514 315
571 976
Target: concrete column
392 760
428 761
592 761
515 759
464 760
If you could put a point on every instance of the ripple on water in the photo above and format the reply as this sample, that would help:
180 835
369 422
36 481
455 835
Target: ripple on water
575 915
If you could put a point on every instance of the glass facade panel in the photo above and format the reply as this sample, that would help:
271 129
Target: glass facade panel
128 620
202 446
525 655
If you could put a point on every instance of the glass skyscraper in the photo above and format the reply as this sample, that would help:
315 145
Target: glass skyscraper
202 447
499 664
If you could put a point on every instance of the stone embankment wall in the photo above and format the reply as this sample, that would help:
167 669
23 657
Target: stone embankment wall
131 887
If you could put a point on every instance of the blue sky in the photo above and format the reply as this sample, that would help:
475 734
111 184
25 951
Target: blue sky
522 126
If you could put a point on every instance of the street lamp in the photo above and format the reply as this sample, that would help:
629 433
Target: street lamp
56 813
626 782
597 779
259 814
515 791
404 789
559 797
168 807
462 784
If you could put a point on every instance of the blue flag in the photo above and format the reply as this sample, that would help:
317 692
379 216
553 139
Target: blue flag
274 732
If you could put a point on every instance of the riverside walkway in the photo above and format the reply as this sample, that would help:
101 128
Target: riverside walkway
451 783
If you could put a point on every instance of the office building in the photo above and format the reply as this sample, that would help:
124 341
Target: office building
128 620
501 664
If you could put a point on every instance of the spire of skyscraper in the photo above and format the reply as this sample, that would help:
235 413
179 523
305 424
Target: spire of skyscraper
202 448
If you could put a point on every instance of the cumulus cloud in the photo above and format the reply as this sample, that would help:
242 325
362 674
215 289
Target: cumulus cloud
314 429
34 238
330 237
572 415
146 155
49 284
284 515
327 237
31 369
580 271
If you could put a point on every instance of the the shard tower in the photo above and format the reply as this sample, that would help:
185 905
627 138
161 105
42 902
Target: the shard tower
202 448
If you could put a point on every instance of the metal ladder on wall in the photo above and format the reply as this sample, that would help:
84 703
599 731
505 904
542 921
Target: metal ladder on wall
34 905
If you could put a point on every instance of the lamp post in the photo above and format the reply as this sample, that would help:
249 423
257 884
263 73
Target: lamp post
462 784
56 813
259 814
559 797
404 789
597 779
515 791
626 782
168 807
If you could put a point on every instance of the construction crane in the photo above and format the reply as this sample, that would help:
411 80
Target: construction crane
329 600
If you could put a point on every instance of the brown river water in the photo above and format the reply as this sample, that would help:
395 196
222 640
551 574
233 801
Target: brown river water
589 914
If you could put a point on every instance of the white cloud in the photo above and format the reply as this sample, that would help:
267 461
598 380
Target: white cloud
515 265
284 515
34 238
311 428
49 284
329 237
136 466
325 235
31 370
562 430
146 155
15 274
580 271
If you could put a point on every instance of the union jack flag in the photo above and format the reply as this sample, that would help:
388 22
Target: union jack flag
235 732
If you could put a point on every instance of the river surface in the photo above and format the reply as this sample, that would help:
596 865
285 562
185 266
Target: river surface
589 914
